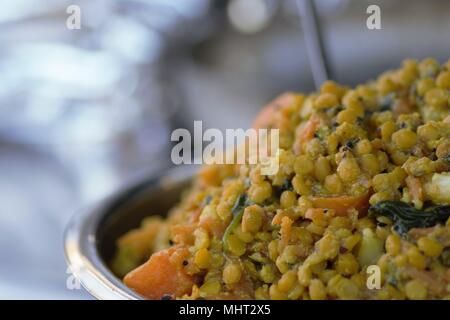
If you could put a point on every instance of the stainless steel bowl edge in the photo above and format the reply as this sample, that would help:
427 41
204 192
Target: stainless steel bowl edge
84 238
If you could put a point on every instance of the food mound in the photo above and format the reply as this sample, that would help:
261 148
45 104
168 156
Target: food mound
359 208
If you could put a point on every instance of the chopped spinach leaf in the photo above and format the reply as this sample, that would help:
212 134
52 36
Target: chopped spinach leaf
287 186
406 216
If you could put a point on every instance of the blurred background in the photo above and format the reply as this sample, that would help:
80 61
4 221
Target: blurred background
82 111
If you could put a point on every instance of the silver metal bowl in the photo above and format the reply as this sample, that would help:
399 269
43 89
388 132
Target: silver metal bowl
91 234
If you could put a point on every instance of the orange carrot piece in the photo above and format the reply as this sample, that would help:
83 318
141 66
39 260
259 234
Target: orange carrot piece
341 204
307 132
276 220
266 118
162 274
415 188
286 230
183 233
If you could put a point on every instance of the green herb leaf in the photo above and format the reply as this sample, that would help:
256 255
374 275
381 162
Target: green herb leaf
351 143
287 186
321 133
238 210
406 216
239 204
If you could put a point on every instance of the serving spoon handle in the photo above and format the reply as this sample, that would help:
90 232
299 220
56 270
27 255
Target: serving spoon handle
314 41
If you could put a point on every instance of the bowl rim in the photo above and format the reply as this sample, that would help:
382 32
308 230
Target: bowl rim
81 235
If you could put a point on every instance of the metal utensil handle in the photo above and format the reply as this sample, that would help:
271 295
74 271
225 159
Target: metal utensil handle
314 41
